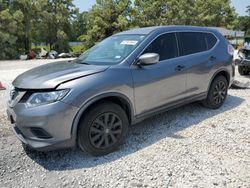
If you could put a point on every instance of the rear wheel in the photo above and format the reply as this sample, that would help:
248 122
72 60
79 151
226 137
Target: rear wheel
103 129
217 93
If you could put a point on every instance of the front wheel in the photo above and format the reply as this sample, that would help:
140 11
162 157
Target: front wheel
102 129
217 93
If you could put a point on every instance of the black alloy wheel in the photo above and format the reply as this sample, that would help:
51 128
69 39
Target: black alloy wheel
217 93
105 130
102 128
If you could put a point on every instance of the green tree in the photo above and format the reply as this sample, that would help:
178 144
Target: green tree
218 13
30 10
56 23
244 22
9 23
106 18
23 22
79 25
149 13
183 12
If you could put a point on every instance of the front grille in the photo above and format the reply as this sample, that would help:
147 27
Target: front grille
15 96
40 133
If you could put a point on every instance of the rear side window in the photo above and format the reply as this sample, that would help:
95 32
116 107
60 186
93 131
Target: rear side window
211 40
165 45
192 42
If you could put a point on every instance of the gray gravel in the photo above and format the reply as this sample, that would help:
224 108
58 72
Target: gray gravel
187 147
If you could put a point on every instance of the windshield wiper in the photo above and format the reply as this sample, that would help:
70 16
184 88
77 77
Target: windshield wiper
84 63
81 62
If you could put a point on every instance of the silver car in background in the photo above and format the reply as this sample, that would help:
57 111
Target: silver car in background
91 101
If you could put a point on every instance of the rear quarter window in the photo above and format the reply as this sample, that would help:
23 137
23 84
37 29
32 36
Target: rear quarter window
192 42
211 40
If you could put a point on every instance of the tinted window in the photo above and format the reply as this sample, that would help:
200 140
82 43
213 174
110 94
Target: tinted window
211 40
192 42
165 45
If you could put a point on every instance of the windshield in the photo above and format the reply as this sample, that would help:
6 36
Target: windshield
111 50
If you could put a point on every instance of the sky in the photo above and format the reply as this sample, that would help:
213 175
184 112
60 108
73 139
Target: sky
240 5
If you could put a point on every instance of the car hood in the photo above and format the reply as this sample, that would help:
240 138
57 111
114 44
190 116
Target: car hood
51 75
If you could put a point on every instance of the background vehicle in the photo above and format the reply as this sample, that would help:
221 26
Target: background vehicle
90 102
244 61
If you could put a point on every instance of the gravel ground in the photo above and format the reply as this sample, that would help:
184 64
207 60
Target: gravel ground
187 147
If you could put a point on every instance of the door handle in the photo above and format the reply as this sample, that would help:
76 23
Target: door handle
179 67
212 58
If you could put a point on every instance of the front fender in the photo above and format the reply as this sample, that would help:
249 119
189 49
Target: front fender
91 101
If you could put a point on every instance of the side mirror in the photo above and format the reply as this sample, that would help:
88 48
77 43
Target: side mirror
148 59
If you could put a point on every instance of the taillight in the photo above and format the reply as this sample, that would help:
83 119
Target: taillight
230 49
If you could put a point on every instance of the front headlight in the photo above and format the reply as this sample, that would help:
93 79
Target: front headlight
41 98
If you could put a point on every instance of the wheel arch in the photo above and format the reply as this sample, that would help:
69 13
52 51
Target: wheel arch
222 72
117 98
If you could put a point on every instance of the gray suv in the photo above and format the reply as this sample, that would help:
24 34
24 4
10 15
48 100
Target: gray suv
91 101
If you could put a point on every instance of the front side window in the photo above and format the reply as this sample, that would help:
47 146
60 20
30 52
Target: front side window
165 45
192 42
111 50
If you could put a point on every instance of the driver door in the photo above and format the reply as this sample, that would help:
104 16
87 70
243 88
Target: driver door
162 83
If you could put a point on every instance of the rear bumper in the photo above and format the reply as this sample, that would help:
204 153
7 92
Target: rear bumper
53 122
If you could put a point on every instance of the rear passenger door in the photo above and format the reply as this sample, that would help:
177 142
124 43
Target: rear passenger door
197 54
161 83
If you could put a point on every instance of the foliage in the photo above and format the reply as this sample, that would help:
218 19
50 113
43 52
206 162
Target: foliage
33 21
110 16
78 49
217 13
244 22
56 22
62 42
56 19
30 10
149 13
74 49
106 18
8 27
79 25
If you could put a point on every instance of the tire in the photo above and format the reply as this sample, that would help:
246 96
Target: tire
242 71
102 129
217 93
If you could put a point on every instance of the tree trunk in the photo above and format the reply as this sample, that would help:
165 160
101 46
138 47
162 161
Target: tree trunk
50 46
27 39
26 44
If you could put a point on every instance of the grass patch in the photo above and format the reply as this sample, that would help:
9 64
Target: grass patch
73 49
39 47
78 48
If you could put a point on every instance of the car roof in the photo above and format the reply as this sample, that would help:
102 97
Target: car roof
148 30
